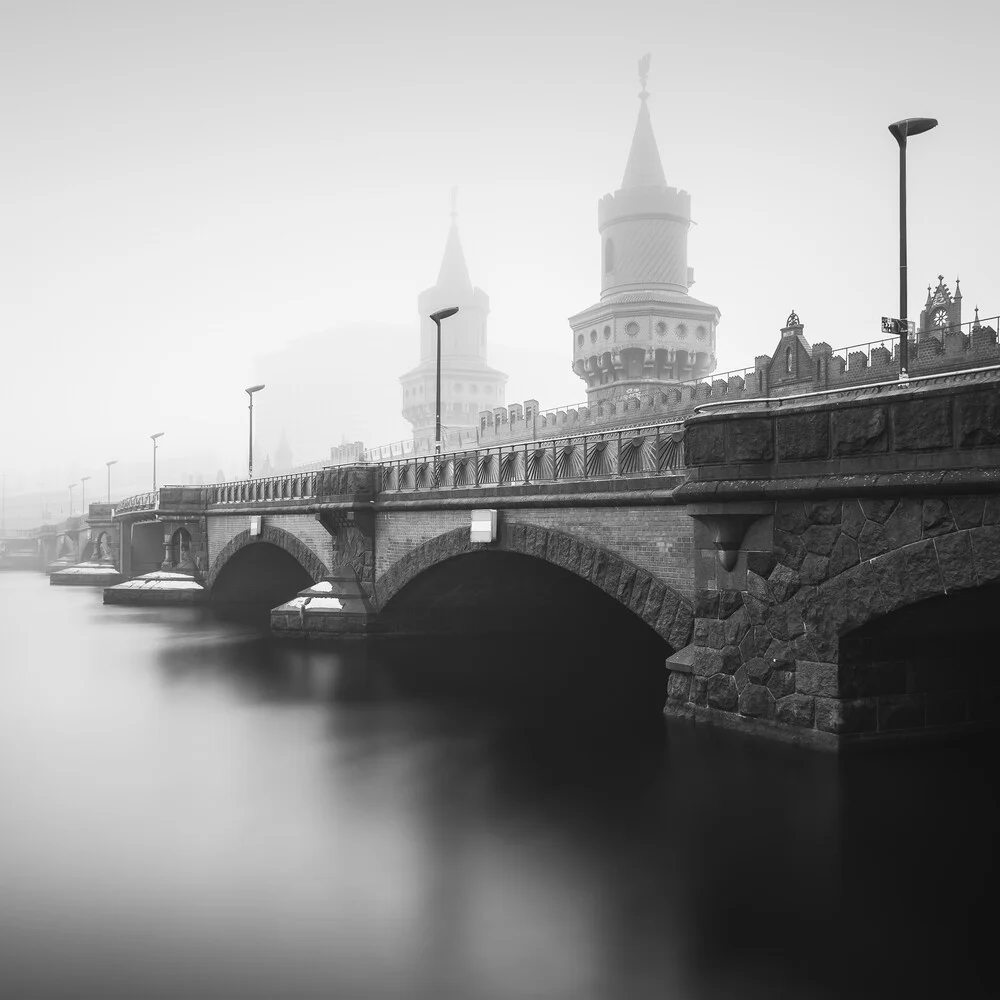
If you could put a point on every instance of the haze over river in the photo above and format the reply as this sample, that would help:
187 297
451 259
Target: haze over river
189 810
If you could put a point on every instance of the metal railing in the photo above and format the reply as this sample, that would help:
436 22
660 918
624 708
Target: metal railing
295 486
647 451
141 501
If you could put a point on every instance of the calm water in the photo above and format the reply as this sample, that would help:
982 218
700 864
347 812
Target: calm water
187 810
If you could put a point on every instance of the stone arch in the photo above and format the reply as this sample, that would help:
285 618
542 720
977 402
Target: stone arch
662 608
285 540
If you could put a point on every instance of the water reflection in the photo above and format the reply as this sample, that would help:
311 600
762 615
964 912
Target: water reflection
191 811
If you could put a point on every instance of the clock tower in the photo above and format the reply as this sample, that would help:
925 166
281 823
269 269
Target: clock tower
942 311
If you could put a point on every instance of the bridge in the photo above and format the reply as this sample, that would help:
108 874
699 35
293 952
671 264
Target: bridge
816 563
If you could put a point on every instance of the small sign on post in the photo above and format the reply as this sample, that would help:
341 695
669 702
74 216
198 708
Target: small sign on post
894 327
484 526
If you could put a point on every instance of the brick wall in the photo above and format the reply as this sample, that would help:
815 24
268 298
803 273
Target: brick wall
657 539
305 527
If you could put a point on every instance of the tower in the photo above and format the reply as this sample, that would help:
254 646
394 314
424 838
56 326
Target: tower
468 384
646 330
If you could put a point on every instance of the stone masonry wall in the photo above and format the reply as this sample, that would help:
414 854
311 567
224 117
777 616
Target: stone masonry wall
657 539
768 636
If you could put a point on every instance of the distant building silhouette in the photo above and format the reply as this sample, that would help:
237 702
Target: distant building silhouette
468 384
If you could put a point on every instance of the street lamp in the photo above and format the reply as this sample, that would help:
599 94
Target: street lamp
71 487
113 461
437 317
83 494
250 392
153 438
900 130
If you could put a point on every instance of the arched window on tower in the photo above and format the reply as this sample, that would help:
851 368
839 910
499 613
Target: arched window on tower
609 255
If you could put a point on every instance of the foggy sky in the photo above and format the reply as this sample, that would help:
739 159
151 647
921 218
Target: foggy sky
191 187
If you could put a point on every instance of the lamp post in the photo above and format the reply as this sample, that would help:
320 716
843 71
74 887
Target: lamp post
83 494
113 461
71 487
153 438
250 392
437 317
900 130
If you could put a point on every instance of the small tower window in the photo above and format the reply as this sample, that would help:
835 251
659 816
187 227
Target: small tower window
607 333
788 361
593 336
609 255
579 340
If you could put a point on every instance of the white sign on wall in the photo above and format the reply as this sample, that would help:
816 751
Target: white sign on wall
484 526
256 523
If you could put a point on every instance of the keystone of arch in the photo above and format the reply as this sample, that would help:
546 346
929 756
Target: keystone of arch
662 608
285 540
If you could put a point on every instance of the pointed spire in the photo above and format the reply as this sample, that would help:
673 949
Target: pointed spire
454 273
976 325
958 290
644 168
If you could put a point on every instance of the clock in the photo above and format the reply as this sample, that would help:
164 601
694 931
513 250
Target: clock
940 318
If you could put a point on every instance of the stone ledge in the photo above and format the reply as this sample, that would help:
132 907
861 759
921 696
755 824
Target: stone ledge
814 739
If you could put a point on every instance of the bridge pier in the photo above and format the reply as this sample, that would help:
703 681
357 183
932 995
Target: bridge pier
334 608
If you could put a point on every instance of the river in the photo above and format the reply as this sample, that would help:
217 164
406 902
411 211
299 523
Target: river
189 810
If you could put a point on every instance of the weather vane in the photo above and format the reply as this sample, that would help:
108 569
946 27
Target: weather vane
644 73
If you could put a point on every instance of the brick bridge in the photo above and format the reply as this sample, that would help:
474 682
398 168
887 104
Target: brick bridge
821 568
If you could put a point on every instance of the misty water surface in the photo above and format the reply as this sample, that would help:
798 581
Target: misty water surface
191 811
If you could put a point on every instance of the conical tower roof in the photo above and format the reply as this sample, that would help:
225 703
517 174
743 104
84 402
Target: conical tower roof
453 275
644 168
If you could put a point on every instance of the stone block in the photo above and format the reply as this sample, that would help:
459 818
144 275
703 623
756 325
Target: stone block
991 514
756 609
612 574
978 419
750 440
704 444
817 678
903 711
758 670
722 693
740 676
955 558
780 655
789 548
967 511
986 553
716 637
795 710
845 555
922 424
730 601
626 581
699 690
729 659
878 510
791 517
852 518
680 631
640 589
936 518
755 643
678 687
859 430
824 511
821 538
784 582
784 621
856 716
803 436
761 563
668 614
757 587
756 702
736 626
654 601
815 569
706 603
781 684
908 575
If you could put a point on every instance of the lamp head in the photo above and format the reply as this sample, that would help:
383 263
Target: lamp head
910 126
254 388
160 434
113 461
444 313
83 479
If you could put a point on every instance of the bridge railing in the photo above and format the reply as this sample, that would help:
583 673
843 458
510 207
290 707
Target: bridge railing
295 486
639 451
141 501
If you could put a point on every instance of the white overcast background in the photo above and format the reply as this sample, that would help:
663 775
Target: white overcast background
195 194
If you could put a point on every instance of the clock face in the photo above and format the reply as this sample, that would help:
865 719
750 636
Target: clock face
941 318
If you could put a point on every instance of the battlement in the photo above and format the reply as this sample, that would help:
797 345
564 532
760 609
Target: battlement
644 202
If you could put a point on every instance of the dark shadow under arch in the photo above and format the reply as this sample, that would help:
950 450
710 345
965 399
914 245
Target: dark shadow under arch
285 540
658 605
